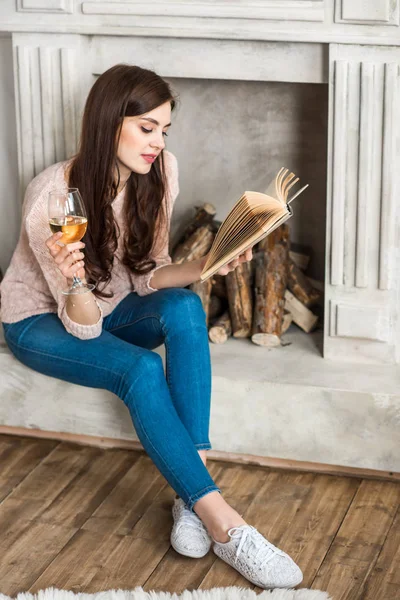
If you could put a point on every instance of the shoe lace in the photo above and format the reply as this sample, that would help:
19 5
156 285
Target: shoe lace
265 551
190 519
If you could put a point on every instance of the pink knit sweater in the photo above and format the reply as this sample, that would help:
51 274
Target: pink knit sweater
32 283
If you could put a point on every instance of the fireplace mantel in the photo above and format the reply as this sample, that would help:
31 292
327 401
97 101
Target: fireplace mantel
353 46
325 21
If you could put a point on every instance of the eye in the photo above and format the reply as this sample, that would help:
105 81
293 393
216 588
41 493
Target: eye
150 130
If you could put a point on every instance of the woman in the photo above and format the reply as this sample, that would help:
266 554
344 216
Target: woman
105 338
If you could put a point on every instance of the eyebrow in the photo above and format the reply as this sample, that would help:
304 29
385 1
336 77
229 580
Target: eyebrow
154 121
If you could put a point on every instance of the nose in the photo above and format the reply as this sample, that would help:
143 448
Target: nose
159 141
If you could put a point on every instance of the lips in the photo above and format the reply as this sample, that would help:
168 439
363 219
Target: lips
149 158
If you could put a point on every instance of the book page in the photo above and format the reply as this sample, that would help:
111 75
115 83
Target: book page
249 238
252 218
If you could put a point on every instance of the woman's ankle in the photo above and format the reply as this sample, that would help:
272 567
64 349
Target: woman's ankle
217 516
219 533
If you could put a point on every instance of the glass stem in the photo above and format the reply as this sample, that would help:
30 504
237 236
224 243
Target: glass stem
76 282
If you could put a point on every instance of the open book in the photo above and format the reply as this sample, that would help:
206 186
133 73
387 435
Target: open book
252 218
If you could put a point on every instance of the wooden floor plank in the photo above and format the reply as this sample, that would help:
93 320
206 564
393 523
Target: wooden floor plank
131 557
359 540
82 563
384 580
313 528
83 494
129 565
18 457
67 494
30 554
81 557
88 519
129 500
40 488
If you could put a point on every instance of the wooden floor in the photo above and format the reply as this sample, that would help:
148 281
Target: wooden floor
89 519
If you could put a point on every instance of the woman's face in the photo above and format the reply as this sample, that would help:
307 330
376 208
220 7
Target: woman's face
142 139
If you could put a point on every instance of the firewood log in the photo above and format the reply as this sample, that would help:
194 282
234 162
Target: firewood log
215 308
270 285
219 286
203 289
196 246
204 216
300 286
240 300
317 284
286 321
302 316
221 330
300 255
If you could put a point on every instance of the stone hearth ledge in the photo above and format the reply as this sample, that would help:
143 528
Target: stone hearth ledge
286 403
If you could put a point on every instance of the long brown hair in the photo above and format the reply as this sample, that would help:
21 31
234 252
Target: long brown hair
120 92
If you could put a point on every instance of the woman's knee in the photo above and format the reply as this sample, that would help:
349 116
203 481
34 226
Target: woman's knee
183 308
144 372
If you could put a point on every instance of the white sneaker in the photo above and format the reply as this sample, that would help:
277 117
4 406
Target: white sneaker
257 559
188 536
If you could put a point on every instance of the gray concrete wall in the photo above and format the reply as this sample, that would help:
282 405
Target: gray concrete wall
230 136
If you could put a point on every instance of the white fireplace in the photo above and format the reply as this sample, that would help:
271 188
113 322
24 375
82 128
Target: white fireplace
348 49
352 46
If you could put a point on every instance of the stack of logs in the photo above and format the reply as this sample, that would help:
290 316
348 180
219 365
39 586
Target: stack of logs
259 299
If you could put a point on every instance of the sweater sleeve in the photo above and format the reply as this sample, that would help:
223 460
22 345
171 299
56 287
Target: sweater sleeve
160 253
38 232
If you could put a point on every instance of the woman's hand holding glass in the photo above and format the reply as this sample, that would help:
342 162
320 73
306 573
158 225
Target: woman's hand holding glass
68 221
68 258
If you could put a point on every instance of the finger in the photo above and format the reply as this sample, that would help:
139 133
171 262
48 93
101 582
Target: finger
69 267
249 254
53 238
51 242
74 246
66 261
65 251
76 269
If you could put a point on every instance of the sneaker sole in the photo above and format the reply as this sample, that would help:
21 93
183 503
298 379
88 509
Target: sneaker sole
273 587
189 553
288 586
264 587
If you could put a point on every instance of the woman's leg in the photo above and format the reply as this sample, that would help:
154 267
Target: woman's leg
175 317
133 373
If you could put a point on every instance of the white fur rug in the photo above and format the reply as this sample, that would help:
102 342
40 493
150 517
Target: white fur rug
227 593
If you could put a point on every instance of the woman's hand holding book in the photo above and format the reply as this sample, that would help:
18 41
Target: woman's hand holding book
231 266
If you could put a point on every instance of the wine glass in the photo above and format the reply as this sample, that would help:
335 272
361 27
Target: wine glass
67 214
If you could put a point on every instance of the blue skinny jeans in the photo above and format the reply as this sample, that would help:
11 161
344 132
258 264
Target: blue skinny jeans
171 411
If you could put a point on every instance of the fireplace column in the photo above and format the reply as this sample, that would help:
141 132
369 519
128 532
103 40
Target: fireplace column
49 89
363 250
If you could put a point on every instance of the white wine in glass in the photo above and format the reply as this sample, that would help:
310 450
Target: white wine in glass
67 214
